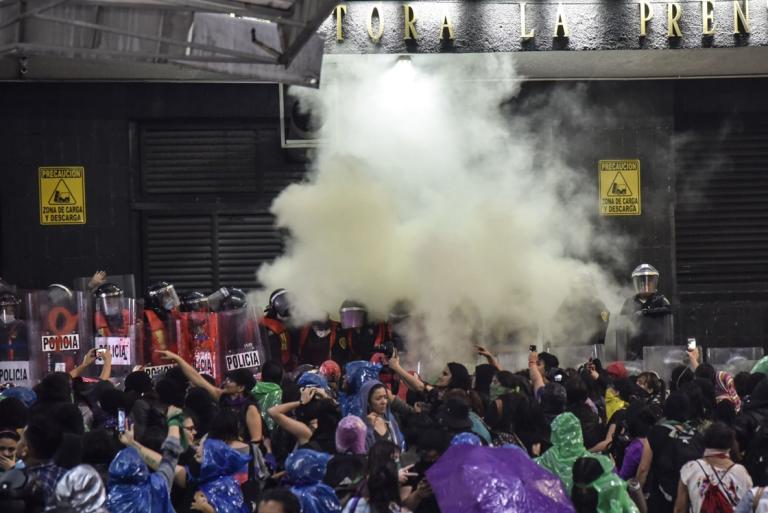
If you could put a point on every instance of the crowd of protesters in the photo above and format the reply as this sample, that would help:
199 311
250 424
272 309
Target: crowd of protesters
362 436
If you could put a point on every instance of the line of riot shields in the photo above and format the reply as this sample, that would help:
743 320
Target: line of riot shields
53 330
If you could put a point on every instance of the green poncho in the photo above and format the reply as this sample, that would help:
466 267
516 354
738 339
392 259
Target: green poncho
761 366
567 447
612 496
267 395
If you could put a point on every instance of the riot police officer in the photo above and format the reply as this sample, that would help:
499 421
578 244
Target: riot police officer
358 339
649 313
14 343
111 318
163 303
275 331
316 341
194 301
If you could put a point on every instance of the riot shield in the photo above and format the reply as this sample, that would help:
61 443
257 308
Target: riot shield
663 359
241 344
62 328
513 362
197 335
119 329
734 359
16 350
125 281
573 357
159 332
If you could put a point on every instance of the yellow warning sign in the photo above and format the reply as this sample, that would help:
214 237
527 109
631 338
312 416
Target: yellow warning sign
619 187
62 195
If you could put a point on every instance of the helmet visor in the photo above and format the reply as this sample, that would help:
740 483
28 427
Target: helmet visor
353 317
645 283
167 298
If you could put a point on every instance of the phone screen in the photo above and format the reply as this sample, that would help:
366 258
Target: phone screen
121 421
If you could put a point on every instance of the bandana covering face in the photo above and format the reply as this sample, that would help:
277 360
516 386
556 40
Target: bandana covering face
725 390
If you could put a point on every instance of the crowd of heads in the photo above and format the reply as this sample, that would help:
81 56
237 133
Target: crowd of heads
323 439
365 435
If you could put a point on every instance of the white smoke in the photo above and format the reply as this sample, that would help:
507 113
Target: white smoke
426 189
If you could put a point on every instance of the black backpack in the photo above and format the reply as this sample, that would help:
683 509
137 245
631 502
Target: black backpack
684 444
19 493
620 442
756 457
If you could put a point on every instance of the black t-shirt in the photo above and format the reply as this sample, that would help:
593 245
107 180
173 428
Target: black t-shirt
181 498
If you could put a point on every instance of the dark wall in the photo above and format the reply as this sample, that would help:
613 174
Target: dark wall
89 125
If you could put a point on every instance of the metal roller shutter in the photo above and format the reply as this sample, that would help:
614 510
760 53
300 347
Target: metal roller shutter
244 242
180 250
721 215
205 189
199 160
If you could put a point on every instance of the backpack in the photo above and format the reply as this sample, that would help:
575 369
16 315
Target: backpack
257 476
716 497
684 445
756 457
620 442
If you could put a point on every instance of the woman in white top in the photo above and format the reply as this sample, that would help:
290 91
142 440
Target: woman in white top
715 469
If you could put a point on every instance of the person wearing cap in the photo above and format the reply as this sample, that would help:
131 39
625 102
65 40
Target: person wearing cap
648 314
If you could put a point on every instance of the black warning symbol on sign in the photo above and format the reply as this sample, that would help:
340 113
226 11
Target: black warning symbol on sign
61 195
619 186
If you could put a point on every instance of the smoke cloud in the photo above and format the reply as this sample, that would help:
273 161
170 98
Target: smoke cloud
431 186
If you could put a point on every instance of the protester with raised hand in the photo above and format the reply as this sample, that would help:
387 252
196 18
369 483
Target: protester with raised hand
132 487
233 394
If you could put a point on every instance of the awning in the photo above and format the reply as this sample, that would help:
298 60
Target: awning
261 40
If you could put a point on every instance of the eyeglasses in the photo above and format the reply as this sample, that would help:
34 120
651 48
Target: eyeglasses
191 429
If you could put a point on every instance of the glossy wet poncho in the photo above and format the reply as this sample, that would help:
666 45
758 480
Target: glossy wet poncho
475 479
306 469
216 481
567 446
133 488
611 489
267 395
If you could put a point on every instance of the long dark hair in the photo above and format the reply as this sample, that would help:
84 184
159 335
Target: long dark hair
383 487
584 497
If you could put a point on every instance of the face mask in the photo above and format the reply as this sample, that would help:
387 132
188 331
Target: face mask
499 390
320 332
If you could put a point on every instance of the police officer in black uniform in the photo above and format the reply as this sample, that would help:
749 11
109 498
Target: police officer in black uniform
276 333
649 313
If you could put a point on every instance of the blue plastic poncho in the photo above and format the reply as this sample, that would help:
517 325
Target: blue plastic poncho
133 488
306 469
220 463
23 394
362 406
466 439
313 379
358 373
